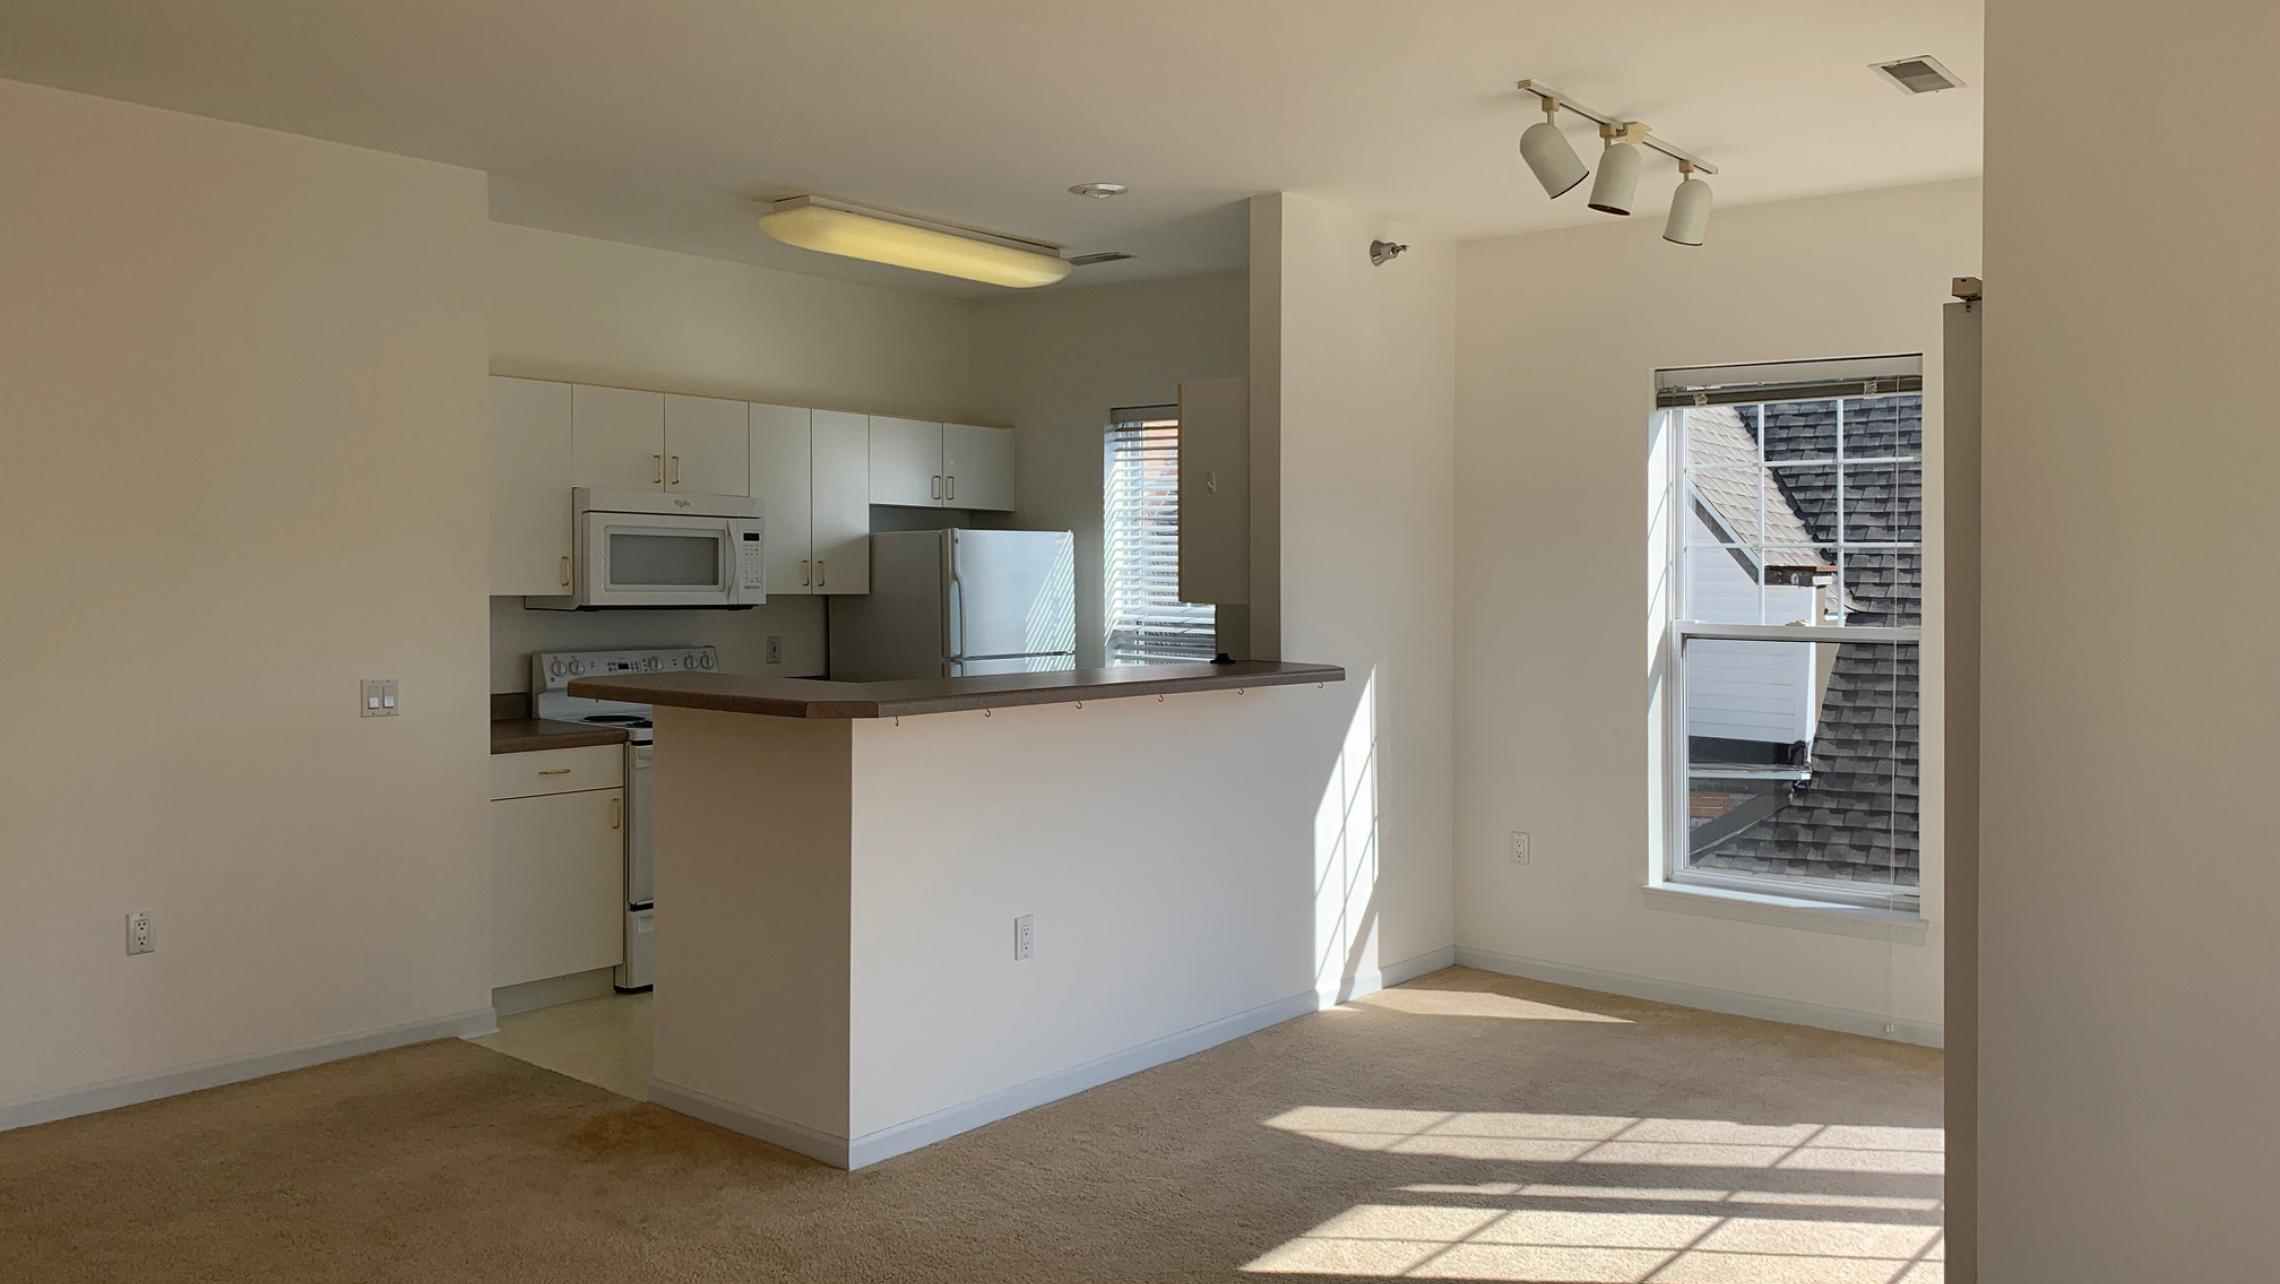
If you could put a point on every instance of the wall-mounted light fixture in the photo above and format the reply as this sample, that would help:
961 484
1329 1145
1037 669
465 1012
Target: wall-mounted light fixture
1625 144
881 236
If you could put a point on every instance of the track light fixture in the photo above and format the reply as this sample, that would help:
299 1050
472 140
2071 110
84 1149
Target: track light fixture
1689 217
1549 157
1616 189
1625 144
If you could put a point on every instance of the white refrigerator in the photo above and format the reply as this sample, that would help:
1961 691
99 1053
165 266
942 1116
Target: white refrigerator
959 603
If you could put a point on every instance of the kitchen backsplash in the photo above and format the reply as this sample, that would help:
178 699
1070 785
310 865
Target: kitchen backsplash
741 637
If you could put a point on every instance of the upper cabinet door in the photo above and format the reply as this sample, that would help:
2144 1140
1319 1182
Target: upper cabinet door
1215 491
977 467
617 438
708 444
841 519
530 488
906 462
780 479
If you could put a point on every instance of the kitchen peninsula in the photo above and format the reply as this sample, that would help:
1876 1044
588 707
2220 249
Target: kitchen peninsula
900 910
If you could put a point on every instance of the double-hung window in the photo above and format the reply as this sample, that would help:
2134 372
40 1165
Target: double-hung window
1795 535
1147 623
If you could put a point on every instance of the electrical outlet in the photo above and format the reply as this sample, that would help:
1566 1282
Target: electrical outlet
775 648
1519 847
378 698
1024 937
142 938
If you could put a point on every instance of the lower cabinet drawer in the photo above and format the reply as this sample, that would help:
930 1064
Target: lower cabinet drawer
557 771
557 885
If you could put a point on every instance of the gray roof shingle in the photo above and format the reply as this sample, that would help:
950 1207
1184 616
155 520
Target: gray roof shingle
1856 818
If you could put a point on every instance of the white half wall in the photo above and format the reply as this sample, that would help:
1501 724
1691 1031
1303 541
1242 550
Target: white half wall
1560 334
590 311
1054 363
245 467
1353 372
2127 872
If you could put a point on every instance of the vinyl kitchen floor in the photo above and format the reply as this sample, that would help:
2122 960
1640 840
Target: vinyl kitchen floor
602 1041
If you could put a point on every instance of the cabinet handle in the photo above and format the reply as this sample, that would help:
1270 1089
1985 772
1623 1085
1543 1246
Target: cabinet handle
804 572
657 466
676 470
937 488
566 570
952 492
617 813
822 573
554 771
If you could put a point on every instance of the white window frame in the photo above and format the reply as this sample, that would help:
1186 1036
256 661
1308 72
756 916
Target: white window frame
1677 831
1190 622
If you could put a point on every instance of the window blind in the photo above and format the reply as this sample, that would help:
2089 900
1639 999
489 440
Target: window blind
1147 622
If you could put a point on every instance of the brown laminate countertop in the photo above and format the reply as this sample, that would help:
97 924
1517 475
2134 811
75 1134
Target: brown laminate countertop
816 698
522 735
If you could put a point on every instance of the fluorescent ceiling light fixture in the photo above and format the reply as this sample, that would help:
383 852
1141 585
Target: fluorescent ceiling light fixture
880 236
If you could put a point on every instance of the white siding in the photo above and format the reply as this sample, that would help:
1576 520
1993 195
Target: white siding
1744 690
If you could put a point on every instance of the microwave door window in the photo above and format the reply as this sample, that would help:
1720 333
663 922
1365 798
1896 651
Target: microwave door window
663 560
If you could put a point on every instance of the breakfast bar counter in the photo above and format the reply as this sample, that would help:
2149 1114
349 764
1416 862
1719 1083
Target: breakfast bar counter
888 912
816 698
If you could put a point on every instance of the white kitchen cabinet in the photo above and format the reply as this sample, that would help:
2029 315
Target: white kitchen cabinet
977 468
530 487
812 472
1215 491
617 438
708 445
931 465
557 863
780 479
906 462
840 502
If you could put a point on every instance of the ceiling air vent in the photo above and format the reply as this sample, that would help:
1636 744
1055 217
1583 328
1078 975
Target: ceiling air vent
1919 75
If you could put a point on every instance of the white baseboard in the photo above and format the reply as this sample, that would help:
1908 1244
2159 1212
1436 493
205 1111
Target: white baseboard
911 1134
1401 973
133 1089
507 1000
814 1143
1683 994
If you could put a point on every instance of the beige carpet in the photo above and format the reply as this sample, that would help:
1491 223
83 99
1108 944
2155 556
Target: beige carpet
1466 1126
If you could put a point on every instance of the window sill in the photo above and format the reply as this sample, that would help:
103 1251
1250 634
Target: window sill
1901 927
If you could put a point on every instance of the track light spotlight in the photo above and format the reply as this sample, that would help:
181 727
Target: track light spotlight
1616 189
1689 209
1549 155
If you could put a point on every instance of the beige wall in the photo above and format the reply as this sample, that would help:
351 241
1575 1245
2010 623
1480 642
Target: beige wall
571 307
2127 1027
244 468
574 308
1559 336
1054 364
1362 366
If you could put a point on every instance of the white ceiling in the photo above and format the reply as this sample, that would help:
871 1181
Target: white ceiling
664 123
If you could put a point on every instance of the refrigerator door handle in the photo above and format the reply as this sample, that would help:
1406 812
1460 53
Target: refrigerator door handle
953 601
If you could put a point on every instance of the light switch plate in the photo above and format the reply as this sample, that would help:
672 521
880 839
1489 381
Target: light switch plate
377 698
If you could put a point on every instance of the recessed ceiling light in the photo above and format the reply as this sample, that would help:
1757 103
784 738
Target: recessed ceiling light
1922 74
1099 191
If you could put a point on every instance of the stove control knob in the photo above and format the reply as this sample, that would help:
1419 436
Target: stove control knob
577 667
554 669
704 661
689 661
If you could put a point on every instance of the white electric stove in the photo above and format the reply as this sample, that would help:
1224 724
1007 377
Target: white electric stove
553 671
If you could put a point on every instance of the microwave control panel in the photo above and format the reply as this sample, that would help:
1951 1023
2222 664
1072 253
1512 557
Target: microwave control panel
751 561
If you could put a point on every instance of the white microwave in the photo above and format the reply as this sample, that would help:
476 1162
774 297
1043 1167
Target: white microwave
641 548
